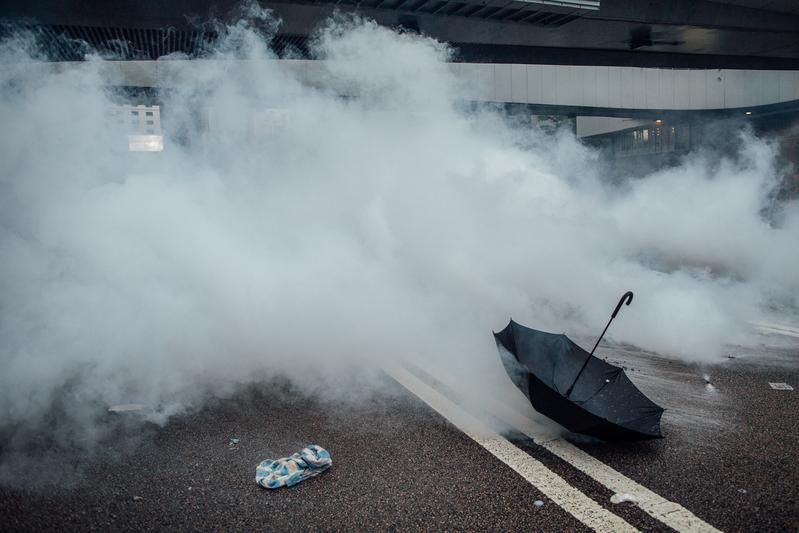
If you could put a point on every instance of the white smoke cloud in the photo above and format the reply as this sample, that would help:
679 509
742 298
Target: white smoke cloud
370 229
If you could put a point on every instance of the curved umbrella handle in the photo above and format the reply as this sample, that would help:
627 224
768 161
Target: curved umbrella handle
627 296
628 299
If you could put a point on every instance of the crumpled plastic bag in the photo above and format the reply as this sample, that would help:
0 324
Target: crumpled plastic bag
287 471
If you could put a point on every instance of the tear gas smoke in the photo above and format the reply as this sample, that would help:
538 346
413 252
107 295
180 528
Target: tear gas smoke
367 230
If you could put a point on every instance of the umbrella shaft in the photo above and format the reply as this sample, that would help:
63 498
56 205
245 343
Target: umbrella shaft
585 364
599 339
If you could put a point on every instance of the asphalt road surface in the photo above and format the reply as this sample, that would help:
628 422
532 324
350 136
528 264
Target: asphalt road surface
730 457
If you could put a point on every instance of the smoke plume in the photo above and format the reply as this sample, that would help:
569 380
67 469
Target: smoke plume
390 223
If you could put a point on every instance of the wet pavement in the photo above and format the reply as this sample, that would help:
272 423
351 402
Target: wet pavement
396 465
731 456
731 452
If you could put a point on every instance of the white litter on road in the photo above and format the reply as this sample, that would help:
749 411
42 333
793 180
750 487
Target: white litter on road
780 386
621 498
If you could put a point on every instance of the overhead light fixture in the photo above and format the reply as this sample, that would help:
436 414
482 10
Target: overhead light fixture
658 122
748 113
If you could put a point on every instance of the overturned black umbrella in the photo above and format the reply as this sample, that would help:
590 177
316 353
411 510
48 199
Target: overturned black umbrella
575 389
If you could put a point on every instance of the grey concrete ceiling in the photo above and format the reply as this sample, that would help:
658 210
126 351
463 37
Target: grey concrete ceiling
781 6
664 33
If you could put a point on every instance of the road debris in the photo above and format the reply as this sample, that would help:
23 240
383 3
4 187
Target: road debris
780 386
287 471
137 498
538 503
623 497
233 442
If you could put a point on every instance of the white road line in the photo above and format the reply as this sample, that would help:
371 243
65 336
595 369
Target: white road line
667 512
775 328
672 514
552 485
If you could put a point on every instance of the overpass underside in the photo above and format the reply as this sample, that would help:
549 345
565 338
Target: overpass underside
650 72
733 34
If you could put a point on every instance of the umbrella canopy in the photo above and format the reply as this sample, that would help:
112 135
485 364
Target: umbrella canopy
600 400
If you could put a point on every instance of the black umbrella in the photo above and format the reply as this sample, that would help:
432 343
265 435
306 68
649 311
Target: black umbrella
575 389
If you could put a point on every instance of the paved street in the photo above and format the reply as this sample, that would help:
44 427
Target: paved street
235 232
729 457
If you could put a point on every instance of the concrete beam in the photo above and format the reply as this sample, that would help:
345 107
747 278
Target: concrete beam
564 86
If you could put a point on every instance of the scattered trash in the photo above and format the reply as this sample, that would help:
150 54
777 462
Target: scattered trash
742 491
623 497
233 442
538 503
126 408
708 385
780 386
308 462
137 498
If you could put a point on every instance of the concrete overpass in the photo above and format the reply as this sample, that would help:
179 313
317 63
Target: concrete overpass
679 60
732 34
565 89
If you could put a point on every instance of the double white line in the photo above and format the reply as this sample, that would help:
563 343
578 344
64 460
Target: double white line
548 482
788 331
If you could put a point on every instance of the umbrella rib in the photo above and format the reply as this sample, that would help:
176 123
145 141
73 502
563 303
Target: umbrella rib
636 419
600 389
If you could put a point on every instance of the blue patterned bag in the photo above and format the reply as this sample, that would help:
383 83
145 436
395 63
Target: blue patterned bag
308 462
